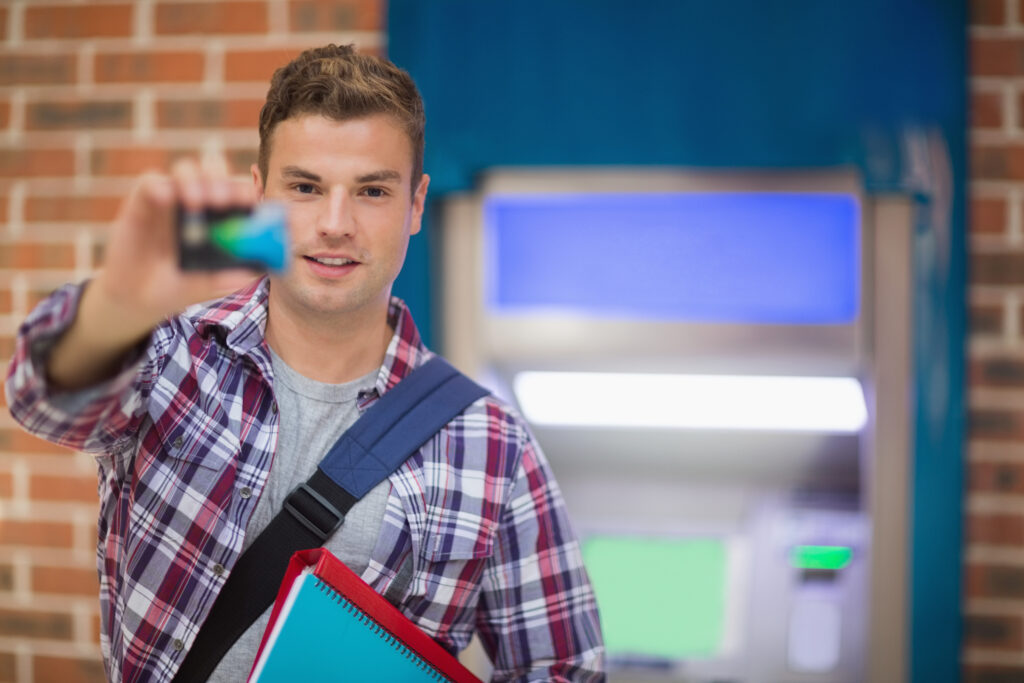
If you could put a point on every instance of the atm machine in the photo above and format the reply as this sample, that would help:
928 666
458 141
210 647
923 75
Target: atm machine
717 365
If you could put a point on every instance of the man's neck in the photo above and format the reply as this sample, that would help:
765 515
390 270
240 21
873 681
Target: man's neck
334 351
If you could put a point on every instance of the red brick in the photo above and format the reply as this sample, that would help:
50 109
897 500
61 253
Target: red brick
16 440
23 255
996 477
23 623
65 208
8 668
996 529
1020 115
336 15
989 673
65 580
37 69
6 578
79 21
209 113
255 65
97 629
76 115
1002 632
991 162
178 18
149 67
995 581
63 488
987 215
18 162
78 669
36 534
131 161
987 12
5 113
997 372
997 268
986 110
996 424
997 56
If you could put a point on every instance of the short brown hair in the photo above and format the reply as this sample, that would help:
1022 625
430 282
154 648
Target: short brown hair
335 82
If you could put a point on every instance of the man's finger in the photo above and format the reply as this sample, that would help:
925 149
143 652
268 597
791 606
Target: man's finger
188 181
216 178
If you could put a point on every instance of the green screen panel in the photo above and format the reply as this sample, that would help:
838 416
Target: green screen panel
659 597
832 557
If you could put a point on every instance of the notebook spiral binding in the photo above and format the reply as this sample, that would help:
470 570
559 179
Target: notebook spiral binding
379 630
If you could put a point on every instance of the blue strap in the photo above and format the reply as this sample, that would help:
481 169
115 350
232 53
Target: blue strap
398 424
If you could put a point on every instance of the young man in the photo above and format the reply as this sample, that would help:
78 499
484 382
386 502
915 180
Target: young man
204 417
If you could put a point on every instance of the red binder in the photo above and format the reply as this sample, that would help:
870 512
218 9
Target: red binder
354 627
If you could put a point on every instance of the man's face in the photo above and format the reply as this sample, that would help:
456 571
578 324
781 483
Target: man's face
351 212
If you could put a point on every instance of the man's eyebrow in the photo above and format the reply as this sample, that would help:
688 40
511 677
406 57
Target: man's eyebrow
381 176
299 172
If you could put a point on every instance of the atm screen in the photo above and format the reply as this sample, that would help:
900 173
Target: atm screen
782 258
660 598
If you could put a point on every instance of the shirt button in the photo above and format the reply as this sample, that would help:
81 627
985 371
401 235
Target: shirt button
179 442
218 569
273 407
245 492
178 645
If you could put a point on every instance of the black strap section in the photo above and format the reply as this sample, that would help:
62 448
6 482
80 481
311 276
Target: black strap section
397 425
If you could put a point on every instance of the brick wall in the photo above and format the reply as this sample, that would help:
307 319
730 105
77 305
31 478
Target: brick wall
92 93
994 554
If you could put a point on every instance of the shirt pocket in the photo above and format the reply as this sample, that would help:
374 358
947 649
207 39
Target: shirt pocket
192 437
450 556
186 459
451 535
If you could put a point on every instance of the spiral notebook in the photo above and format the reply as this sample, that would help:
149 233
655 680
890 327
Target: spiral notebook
328 624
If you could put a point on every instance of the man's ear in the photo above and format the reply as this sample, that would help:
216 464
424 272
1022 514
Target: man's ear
257 180
419 199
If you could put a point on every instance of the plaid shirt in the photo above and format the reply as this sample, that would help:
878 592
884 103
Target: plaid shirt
185 437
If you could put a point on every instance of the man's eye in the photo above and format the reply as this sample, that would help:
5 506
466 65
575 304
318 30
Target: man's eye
375 192
304 188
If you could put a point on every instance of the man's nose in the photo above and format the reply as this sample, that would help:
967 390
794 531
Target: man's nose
336 219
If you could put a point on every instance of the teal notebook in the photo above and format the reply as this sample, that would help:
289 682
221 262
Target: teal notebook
329 625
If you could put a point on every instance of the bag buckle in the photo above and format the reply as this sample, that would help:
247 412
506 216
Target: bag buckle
319 524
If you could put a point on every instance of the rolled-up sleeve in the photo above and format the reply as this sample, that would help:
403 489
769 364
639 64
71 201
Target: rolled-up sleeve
94 420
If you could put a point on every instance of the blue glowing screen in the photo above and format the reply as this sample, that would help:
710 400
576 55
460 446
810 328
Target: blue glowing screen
772 258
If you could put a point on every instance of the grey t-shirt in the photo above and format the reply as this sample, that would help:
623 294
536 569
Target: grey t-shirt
312 417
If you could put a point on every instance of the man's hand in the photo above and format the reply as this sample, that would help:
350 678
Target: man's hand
140 283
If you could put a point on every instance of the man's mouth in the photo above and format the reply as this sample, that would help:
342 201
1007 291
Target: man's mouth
330 261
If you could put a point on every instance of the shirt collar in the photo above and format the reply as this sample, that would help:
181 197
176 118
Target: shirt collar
406 350
240 319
